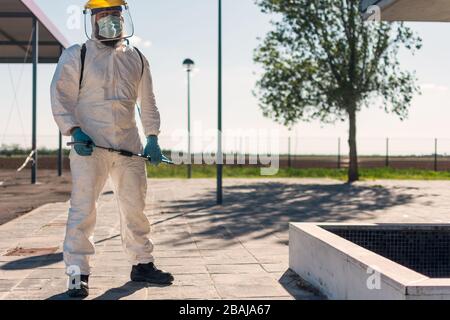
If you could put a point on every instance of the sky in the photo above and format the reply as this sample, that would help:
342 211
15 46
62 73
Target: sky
168 31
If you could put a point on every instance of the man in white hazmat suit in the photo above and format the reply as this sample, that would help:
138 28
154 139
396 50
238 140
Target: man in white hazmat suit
94 92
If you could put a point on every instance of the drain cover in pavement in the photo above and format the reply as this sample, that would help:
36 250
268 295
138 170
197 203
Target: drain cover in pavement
30 252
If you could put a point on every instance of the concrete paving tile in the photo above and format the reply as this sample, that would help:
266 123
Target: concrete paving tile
275 267
177 270
180 262
200 280
58 265
272 259
235 269
118 294
103 282
107 270
177 254
278 250
243 285
14 274
7 285
105 256
40 242
236 256
37 290
227 260
257 241
217 244
21 296
50 273
176 246
182 292
118 262
161 237
109 249
32 285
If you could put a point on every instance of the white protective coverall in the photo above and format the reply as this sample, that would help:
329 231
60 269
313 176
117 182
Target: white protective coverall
104 108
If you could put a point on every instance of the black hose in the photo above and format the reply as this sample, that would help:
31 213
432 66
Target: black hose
124 153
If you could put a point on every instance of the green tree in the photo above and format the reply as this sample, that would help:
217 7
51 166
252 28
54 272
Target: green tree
322 61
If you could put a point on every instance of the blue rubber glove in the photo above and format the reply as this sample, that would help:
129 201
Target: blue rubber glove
153 150
83 150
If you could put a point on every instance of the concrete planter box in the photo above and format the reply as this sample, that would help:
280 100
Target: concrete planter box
342 269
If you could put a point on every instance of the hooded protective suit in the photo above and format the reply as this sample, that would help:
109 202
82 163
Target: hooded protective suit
114 79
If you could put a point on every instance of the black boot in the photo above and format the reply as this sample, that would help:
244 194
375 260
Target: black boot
149 273
83 292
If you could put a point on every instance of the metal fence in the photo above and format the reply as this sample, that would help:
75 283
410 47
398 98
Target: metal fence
304 152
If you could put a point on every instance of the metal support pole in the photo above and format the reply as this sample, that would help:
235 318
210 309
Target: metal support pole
60 151
219 138
35 58
436 155
339 154
189 173
60 156
387 153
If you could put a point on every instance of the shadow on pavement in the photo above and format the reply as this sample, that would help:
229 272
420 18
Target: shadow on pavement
126 290
33 262
270 206
63 296
42 260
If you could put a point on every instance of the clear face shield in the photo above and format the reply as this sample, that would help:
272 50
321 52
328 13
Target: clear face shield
108 24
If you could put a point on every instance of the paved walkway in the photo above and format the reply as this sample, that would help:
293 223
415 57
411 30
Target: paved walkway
239 251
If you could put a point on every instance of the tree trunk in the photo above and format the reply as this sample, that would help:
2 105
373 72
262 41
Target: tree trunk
353 174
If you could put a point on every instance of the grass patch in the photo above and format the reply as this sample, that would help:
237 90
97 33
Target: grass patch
404 174
180 172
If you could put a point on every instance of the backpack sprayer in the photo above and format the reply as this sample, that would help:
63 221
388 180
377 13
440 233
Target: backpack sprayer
121 152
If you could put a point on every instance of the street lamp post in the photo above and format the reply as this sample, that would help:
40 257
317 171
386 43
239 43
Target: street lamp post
219 111
189 66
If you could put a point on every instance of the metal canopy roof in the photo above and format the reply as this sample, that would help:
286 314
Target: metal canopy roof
411 10
16 18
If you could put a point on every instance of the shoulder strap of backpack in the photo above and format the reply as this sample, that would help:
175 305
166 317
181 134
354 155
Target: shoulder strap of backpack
142 60
83 59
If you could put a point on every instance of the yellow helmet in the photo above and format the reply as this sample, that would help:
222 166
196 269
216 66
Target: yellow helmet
98 4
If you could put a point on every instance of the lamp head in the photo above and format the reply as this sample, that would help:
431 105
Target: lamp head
188 64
